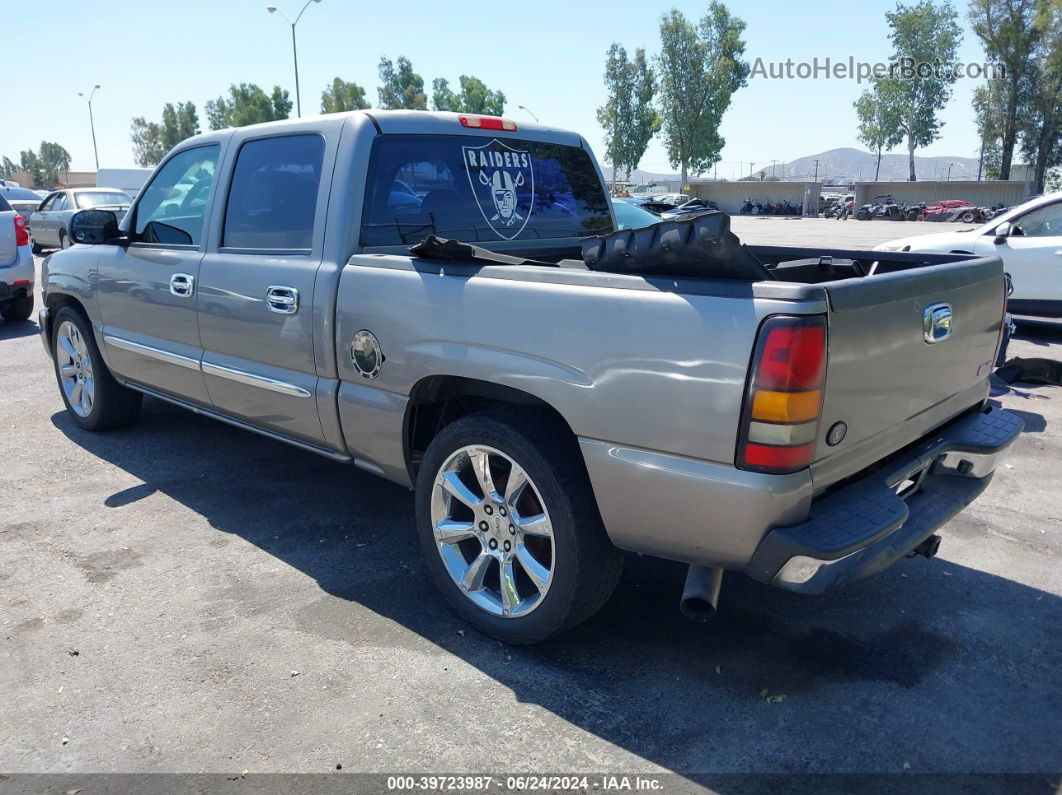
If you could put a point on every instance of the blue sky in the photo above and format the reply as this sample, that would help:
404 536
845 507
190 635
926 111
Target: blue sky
547 55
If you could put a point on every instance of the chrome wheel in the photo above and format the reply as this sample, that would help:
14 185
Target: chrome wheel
75 368
492 531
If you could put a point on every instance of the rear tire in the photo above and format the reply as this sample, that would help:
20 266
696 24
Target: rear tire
584 567
64 240
78 363
35 249
18 310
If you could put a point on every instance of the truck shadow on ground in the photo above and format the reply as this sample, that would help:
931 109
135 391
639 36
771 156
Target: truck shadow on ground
938 657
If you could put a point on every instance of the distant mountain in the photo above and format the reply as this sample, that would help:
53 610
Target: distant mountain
857 164
640 176
845 165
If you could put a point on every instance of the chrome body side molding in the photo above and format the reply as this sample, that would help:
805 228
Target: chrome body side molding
154 353
251 379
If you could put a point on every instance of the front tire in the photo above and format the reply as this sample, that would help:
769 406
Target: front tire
18 310
509 526
93 398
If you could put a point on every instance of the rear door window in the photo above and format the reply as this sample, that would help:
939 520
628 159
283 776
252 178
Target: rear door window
480 190
273 198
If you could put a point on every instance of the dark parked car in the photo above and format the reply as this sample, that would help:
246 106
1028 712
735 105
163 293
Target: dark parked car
22 200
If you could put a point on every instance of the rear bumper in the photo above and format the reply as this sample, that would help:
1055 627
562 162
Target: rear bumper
16 279
867 525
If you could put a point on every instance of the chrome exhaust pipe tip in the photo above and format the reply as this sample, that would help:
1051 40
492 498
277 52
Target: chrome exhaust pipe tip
700 595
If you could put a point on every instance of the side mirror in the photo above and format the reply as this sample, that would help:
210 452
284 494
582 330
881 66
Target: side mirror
94 226
1002 232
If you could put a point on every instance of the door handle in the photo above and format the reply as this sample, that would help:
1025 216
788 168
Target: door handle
182 285
282 300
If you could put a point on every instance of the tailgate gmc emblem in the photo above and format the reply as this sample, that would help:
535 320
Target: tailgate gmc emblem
936 323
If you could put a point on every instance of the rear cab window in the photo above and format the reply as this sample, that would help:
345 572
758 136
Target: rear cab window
273 196
480 190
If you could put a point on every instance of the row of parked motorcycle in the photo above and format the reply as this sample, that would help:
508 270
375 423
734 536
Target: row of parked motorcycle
886 208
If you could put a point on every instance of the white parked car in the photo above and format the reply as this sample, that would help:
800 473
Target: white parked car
1028 238
16 266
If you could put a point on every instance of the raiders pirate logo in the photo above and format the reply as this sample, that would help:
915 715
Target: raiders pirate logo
499 175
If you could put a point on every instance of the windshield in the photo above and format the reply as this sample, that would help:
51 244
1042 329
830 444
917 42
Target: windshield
480 190
629 216
101 199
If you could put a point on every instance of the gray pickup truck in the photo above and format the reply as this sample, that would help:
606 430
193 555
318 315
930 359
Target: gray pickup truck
443 300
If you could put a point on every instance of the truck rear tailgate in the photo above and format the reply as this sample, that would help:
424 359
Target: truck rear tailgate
885 379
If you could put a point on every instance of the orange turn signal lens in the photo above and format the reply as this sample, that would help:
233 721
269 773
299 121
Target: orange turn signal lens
770 406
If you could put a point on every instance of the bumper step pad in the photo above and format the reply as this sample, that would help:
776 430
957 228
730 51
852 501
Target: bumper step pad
866 526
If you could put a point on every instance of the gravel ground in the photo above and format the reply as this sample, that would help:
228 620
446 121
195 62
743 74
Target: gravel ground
184 596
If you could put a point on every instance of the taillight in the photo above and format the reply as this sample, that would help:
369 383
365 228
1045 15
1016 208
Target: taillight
487 122
21 233
781 416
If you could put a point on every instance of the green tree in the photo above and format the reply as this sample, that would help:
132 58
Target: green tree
148 148
152 140
616 115
343 96
178 122
442 96
646 121
53 159
7 168
699 68
1009 32
1040 125
474 97
31 164
247 104
989 109
477 98
923 33
401 87
879 127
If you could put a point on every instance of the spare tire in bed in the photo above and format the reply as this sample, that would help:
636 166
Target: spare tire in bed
702 246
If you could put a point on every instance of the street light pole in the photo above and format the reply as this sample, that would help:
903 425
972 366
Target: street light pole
528 111
294 50
92 124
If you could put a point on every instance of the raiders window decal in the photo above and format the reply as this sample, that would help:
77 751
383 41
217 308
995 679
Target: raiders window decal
496 172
